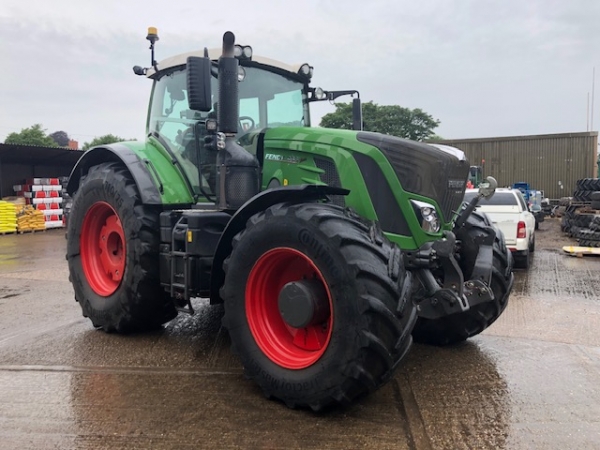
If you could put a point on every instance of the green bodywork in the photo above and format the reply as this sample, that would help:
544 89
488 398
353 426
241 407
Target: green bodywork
288 158
163 172
296 148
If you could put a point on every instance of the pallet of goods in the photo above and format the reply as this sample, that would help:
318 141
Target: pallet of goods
30 219
8 217
45 196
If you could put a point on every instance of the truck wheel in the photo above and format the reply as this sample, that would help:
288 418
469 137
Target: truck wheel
523 261
317 304
112 252
459 327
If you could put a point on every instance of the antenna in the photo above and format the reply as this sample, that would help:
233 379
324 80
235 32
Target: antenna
587 113
592 108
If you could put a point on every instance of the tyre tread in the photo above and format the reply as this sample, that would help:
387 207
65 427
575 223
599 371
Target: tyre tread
384 333
143 303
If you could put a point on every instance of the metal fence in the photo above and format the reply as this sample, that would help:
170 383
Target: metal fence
550 162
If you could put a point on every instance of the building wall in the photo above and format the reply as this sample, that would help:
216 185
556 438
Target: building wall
546 162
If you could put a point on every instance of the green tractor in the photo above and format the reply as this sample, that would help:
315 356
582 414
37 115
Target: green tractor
475 176
330 250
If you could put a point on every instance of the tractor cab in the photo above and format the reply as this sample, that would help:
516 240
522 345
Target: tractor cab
271 94
475 176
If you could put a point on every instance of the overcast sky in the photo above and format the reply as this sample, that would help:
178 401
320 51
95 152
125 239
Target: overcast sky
483 68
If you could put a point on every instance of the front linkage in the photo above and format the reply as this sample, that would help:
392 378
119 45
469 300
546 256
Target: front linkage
453 294
465 278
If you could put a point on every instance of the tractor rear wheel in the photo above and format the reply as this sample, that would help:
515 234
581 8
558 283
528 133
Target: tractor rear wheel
461 326
317 304
112 252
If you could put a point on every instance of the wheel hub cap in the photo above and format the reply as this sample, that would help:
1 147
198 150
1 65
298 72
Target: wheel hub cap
303 303
289 308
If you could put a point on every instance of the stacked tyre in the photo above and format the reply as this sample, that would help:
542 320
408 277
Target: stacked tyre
589 236
585 222
567 218
595 200
586 188
577 215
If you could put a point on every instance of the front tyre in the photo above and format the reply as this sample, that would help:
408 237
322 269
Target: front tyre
112 253
316 304
461 326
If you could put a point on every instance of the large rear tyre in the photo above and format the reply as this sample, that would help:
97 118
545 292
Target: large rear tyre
112 252
317 304
459 327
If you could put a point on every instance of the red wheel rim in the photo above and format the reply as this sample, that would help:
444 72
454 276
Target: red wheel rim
102 246
289 347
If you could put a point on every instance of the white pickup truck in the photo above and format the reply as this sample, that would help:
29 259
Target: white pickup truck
508 211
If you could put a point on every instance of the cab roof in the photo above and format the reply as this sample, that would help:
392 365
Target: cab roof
214 54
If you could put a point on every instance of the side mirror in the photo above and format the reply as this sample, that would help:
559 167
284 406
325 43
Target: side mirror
199 83
488 187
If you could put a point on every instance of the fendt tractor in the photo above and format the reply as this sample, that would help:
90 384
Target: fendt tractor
330 250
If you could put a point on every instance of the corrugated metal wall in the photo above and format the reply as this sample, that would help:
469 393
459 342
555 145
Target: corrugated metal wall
541 160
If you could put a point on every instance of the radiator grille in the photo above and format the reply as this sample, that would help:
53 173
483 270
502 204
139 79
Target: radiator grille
425 170
331 178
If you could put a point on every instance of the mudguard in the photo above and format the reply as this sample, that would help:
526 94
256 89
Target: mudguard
116 152
158 180
288 194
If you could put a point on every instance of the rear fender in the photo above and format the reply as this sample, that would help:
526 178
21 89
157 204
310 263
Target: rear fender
158 180
118 153
260 202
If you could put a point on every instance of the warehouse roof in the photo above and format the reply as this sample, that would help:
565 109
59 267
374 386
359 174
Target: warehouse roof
36 155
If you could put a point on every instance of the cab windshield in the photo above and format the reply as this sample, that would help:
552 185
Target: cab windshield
267 99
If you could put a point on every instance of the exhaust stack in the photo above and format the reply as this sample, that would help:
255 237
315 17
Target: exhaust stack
228 112
237 170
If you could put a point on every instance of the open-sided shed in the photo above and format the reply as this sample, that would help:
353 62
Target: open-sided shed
19 162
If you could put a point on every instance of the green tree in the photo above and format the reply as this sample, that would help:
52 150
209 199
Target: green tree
435 137
414 124
102 140
61 138
34 135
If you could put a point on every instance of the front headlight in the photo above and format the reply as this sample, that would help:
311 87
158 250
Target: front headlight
427 215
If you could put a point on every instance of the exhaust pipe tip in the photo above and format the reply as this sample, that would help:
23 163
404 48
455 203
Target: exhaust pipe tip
228 43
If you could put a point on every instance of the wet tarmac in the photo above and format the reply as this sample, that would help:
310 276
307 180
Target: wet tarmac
531 381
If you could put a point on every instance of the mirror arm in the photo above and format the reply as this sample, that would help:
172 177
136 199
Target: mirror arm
332 95
466 212
484 192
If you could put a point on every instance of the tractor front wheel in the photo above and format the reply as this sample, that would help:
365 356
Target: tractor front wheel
317 304
112 252
461 326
